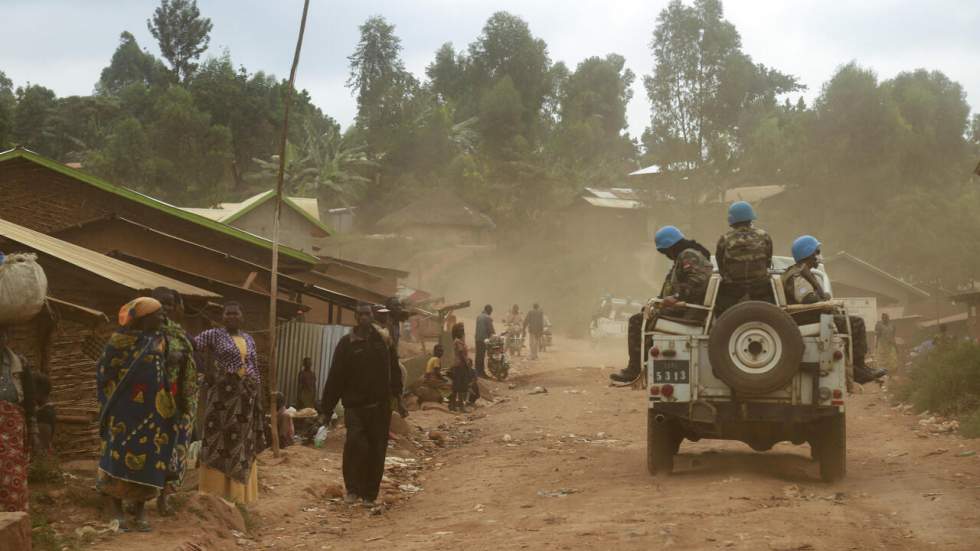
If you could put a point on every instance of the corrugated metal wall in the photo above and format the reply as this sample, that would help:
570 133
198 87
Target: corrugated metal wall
297 340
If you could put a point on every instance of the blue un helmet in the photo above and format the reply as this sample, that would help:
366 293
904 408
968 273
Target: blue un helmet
804 247
666 237
740 211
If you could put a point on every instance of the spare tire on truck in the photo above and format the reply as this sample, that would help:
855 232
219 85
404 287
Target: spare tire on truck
755 348
23 288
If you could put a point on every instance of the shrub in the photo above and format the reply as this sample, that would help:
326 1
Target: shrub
947 381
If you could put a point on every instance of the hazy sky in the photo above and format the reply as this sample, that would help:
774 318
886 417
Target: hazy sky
64 44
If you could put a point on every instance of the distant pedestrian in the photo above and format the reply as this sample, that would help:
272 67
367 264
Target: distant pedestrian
234 421
363 376
484 330
462 374
534 325
886 348
306 395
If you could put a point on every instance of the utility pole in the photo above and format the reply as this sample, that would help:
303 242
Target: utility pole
274 277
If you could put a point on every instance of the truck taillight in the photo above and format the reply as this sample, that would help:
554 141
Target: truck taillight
667 390
655 391
654 352
670 353
837 393
838 355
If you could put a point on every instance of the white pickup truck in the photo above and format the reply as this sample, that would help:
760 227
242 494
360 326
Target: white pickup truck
759 373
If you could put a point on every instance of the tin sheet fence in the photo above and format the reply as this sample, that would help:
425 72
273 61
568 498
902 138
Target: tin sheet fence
297 340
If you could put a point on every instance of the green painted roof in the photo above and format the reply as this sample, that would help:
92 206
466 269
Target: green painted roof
286 201
21 153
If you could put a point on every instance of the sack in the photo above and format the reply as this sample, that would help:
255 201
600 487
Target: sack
320 438
23 288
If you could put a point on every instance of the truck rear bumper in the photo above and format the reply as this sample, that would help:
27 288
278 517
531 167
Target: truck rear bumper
713 413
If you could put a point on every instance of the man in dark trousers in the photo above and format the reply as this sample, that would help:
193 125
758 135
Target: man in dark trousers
534 325
363 375
484 330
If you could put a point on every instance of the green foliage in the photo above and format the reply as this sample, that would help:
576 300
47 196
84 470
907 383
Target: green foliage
182 34
946 381
35 107
130 65
590 138
177 154
8 105
701 85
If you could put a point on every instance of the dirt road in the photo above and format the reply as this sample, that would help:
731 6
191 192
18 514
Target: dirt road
566 470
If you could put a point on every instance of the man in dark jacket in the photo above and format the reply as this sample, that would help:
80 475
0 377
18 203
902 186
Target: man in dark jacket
484 330
363 376
534 325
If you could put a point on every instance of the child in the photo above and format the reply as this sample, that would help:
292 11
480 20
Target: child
286 430
45 413
462 370
433 369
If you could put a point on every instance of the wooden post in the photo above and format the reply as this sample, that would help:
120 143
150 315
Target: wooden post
274 277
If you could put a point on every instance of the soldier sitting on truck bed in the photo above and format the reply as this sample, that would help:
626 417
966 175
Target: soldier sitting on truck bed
803 287
744 256
687 281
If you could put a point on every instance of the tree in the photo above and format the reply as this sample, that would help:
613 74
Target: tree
332 165
447 73
8 104
35 105
175 153
507 49
702 82
183 35
590 139
376 71
936 116
79 124
129 65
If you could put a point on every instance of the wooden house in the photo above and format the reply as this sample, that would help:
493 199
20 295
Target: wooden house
440 218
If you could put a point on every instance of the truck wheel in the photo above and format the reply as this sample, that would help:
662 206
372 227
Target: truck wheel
755 348
661 443
832 449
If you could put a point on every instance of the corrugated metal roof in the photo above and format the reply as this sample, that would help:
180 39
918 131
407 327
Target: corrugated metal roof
846 256
226 213
652 169
120 272
132 195
613 203
752 193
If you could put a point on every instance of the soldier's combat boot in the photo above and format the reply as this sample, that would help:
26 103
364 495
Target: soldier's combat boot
864 374
629 373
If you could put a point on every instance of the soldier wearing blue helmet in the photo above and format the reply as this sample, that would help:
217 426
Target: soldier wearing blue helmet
687 281
744 256
803 287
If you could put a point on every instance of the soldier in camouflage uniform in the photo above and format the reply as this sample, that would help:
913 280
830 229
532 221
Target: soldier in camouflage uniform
744 256
803 287
687 282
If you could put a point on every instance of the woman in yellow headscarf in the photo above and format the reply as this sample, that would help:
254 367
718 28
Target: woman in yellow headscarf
139 417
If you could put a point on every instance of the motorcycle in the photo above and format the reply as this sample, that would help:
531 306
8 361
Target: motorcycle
497 363
515 340
546 338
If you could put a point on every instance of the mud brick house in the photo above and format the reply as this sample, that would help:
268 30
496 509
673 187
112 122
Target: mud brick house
440 218
57 200
85 291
